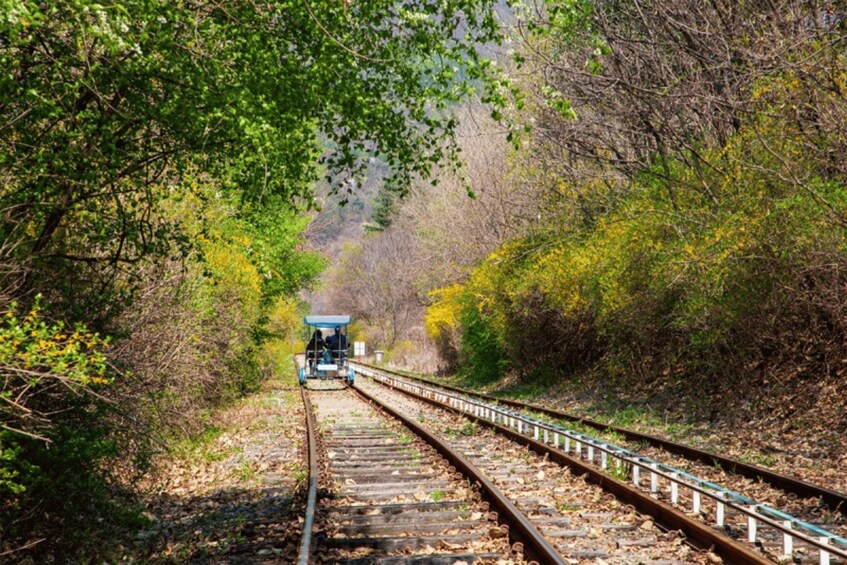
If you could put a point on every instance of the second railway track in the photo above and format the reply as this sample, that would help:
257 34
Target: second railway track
731 507
831 498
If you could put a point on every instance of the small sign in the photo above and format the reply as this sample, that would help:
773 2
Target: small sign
327 367
359 348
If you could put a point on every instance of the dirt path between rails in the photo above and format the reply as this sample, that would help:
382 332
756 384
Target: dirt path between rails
235 497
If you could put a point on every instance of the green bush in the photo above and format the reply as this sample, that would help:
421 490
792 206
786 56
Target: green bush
62 491
483 360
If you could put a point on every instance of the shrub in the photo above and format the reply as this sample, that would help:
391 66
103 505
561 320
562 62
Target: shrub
443 324
704 277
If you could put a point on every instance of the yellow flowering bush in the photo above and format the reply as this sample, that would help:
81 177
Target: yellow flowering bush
40 361
443 315
443 322
689 267
32 349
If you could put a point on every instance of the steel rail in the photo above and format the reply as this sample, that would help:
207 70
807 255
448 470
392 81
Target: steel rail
311 499
722 497
663 514
533 542
836 501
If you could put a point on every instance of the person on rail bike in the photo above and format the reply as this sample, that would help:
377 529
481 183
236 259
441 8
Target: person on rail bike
316 346
337 343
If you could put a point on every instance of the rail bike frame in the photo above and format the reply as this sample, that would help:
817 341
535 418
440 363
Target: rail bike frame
326 364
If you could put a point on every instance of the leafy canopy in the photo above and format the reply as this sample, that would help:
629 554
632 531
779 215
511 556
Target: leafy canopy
106 108
100 100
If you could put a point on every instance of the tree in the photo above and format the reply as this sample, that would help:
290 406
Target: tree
102 106
145 143
631 84
436 236
374 281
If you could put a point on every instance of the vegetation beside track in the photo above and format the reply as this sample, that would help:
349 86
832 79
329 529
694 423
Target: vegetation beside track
669 238
158 164
234 492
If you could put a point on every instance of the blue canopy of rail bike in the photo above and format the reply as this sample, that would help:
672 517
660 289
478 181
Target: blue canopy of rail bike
326 321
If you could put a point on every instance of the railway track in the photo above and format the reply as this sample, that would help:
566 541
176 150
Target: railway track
583 522
390 498
832 499
387 496
770 533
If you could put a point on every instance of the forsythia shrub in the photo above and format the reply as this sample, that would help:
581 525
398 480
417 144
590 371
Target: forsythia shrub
33 348
443 323
47 371
691 271
442 316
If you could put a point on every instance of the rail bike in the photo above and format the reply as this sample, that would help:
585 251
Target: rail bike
327 349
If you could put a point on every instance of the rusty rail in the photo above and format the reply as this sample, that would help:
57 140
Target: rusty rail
311 499
522 531
836 501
